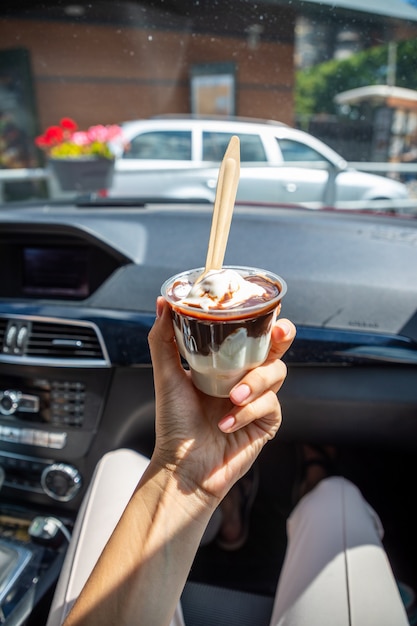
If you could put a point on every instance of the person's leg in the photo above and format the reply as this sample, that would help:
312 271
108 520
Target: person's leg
113 483
336 571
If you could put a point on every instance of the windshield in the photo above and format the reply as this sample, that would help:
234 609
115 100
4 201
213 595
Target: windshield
127 101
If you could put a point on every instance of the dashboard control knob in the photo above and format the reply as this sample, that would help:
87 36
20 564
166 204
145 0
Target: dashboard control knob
9 401
61 481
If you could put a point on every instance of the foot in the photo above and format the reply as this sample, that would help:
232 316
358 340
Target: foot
232 525
236 508
318 463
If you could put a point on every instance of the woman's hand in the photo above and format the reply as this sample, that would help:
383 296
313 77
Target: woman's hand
203 446
209 443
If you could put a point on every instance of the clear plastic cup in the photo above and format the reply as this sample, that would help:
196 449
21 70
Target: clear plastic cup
221 345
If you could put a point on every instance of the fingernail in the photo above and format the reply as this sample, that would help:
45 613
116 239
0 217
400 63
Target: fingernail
240 393
227 423
285 327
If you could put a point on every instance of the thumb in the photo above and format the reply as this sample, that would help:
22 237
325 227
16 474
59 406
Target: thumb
161 339
283 335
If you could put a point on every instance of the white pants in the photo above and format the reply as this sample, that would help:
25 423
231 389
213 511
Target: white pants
335 572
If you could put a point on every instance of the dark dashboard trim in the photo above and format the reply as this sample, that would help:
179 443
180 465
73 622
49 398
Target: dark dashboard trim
329 346
123 336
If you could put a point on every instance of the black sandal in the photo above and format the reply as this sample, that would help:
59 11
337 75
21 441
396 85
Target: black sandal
320 456
248 488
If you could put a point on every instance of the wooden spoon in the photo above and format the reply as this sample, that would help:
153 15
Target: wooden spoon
224 203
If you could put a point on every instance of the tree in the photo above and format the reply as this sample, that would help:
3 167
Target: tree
317 86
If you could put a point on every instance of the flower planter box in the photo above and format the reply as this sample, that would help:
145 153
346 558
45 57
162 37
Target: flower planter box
86 174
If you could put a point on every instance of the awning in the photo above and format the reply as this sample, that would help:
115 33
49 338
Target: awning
398 9
395 97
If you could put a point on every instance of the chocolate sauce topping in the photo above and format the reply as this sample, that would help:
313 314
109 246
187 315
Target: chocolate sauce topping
205 336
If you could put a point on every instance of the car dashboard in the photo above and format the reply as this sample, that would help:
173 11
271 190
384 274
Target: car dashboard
77 300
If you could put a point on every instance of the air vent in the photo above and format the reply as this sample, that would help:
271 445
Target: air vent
3 326
40 341
63 341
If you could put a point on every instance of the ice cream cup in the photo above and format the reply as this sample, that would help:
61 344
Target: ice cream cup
221 344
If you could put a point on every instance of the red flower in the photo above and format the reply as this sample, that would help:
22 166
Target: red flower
53 135
68 124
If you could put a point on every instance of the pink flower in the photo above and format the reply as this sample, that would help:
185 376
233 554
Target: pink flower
114 132
98 133
81 138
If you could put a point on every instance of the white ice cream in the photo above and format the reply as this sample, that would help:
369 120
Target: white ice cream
219 289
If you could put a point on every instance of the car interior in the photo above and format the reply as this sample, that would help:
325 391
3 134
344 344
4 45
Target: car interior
77 379
79 278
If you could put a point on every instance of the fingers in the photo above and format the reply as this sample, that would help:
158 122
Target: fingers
255 396
282 336
272 373
161 339
265 411
257 406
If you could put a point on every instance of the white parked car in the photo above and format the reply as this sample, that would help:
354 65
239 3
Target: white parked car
178 157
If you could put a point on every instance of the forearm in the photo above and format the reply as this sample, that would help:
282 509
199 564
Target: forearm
141 573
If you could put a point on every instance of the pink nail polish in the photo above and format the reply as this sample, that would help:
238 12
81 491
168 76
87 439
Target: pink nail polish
240 393
227 423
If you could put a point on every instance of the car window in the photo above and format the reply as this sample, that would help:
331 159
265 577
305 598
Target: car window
215 144
169 145
297 151
334 70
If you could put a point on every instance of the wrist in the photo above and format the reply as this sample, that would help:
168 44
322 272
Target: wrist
176 485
